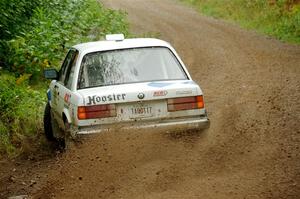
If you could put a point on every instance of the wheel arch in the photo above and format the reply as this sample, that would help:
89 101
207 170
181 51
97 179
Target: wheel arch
66 116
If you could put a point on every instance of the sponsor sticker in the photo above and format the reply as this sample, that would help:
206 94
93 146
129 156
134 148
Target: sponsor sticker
160 93
95 99
49 95
67 98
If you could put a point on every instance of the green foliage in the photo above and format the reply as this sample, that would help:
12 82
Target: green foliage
35 35
278 18
14 16
21 110
45 39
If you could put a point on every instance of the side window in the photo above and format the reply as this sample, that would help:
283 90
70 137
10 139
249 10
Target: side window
65 65
70 71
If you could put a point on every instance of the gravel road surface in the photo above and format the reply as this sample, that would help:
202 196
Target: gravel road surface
252 91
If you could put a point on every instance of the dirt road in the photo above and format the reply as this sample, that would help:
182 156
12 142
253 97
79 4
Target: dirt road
252 89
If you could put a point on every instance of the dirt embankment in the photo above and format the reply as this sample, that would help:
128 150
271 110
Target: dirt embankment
252 92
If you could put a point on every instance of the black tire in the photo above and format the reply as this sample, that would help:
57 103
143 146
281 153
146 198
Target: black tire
47 123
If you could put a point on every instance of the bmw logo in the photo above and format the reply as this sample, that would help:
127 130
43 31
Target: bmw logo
141 95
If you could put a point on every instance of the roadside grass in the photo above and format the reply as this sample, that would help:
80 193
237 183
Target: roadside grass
21 109
279 19
53 26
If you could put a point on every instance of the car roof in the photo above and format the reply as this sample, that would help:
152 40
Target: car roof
123 44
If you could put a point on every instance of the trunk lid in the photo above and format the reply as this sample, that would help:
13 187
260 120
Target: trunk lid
139 100
139 92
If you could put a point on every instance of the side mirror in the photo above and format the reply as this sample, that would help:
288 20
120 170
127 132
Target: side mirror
51 73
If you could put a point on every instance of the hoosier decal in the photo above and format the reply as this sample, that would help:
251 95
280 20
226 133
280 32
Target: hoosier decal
97 99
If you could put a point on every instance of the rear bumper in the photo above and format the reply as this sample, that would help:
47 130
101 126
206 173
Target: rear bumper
168 125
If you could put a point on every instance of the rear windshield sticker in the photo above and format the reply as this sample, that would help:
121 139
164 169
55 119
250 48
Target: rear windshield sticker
108 98
159 85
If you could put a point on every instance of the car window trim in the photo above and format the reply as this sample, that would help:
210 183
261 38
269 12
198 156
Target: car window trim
72 64
63 66
73 51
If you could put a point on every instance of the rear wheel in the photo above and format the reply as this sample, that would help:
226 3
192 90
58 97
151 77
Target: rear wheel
52 130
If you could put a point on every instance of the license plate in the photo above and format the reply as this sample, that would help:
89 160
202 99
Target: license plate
141 110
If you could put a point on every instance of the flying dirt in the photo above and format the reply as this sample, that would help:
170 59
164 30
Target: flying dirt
251 85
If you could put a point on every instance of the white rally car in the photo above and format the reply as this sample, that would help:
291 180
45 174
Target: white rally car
121 84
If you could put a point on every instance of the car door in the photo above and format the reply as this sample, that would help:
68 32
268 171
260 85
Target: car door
62 87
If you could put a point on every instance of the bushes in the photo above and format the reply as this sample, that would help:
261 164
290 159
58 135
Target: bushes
14 17
50 32
21 108
278 18
35 35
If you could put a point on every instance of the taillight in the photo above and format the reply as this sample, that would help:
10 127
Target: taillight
97 111
185 103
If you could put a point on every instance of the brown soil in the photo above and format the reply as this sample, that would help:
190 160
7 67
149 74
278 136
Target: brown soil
252 89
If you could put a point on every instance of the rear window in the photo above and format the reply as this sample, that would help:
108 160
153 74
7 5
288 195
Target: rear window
129 66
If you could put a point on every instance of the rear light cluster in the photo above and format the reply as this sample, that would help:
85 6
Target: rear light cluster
97 111
185 103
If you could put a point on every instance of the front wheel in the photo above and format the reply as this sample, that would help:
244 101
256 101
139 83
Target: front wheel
47 123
